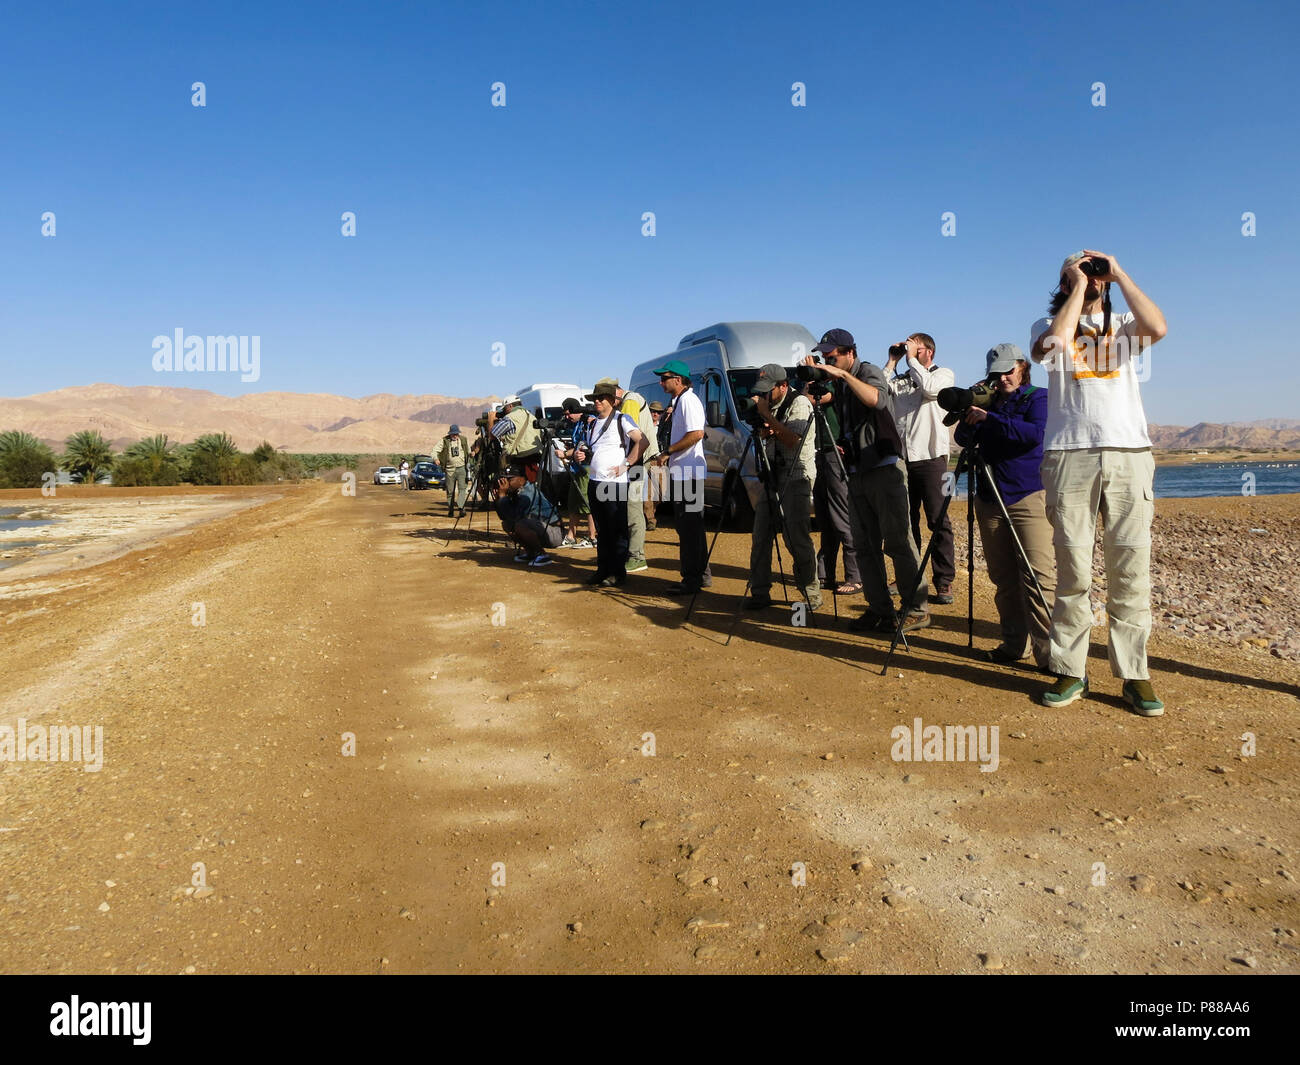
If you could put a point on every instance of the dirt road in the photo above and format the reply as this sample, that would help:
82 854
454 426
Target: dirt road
499 814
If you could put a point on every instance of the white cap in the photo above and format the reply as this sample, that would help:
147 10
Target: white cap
508 400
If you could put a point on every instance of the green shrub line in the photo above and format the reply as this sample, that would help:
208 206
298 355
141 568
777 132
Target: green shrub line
212 459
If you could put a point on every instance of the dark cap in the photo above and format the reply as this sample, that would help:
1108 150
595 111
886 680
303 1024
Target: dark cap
835 338
769 377
572 406
454 431
512 471
606 387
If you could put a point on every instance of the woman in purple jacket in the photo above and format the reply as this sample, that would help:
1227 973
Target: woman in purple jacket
1009 436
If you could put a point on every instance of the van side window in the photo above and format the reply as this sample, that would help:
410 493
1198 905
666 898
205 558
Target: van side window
714 406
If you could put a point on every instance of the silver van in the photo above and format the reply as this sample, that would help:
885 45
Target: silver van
724 361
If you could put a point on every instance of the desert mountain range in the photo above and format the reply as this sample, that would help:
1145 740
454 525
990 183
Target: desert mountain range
379 424
292 421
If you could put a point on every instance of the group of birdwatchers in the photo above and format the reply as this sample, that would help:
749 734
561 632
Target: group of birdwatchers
874 460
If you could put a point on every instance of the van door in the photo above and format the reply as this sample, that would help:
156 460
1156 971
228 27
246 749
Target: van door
722 443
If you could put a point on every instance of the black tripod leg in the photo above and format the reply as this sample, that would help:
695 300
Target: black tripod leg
970 553
728 484
916 584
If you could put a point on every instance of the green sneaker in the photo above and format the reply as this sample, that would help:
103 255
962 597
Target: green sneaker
1142 697
1065 691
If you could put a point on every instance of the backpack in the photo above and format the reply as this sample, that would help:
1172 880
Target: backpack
644 423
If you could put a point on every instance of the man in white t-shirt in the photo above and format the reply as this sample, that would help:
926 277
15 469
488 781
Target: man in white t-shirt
920 423
684 458
1097 457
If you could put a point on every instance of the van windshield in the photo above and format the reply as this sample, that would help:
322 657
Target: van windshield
742 381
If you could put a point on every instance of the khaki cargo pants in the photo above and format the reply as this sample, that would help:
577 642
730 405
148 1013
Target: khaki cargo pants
1116 483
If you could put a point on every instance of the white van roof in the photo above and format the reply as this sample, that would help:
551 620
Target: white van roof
755 343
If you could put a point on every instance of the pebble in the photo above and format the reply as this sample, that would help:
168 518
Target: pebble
104 907
992 961
204 892
898 902
651 826
705 951
1249 961
710 919
1142 884
1057 890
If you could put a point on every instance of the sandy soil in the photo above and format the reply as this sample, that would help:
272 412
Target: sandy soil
499 814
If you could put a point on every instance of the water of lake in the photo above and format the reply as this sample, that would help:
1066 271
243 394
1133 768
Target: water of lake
1219 479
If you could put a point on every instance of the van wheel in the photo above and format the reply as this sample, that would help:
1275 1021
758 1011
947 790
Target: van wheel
738 513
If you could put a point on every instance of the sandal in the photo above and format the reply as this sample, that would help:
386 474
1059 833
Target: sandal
849 588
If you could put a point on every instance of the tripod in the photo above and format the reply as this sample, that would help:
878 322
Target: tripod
773 493
484 470
969 463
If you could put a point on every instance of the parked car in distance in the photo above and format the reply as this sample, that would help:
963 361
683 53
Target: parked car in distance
426 474
387 475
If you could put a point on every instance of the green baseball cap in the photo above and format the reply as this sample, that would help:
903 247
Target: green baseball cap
675 366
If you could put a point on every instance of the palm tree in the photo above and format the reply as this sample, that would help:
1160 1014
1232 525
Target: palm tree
152 460
212 457
87 455
23 460
218 445
157 449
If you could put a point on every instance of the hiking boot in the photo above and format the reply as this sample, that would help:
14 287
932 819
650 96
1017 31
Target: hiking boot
1142 697
680 589
636 567
814 598
870 622
1000 655
1065 691
758 602
916 619
942 595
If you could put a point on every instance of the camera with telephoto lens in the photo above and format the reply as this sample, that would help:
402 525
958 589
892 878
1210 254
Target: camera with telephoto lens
747 411
957 401
812 373
1095 266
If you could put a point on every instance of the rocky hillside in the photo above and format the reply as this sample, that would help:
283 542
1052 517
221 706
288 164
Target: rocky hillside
298 422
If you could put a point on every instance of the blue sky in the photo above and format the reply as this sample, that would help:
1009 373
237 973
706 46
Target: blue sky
522 225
